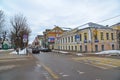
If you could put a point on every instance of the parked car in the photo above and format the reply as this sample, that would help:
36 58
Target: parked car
45 50
35 50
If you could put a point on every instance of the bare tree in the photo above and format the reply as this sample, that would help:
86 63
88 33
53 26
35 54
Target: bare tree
2 33
2 19
20 28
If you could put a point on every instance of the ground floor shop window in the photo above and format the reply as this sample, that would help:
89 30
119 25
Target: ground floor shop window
76 48
85 48
69 47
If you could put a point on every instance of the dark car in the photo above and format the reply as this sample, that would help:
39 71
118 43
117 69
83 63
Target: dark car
35 50
45 50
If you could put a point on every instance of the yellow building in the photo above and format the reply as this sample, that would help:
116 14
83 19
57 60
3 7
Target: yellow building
50 35
117 28
89 37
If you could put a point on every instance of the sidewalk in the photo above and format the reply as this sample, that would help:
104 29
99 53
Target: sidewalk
7 54
108 54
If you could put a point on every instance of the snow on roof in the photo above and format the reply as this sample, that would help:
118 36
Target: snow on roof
65 28
93 25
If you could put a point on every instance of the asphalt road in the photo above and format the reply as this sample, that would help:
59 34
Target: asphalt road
63 67
23 70
53 66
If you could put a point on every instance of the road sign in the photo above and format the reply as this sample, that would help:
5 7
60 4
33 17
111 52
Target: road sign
25 38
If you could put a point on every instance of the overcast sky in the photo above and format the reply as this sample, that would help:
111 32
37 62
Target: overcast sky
44 14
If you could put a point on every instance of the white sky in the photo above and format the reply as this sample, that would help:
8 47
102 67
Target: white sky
44 14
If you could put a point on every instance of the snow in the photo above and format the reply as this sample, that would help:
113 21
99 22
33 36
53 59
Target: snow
63 52
111 52
83 26
6 50
79 54
20 52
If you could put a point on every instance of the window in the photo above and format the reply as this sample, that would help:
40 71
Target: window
69 47
68 39
85 36
102 47
95 34
76 48
85 47
107 36
80 37
63 40
95 37
113 47
96 48
112 36
72 48
80 48
62 47
101 36
75 38
71 38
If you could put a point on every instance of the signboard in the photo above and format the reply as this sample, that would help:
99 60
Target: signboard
25 38
77 38
51 39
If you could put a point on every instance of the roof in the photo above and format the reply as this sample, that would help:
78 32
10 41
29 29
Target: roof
117 24
65 28
39 35
93 25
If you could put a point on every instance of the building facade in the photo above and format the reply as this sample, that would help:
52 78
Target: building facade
117 28
90 37
40 39
50 35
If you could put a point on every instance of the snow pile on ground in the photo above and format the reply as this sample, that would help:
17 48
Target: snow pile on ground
20 52
6 50
63 52
57 51
111 52
79 54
